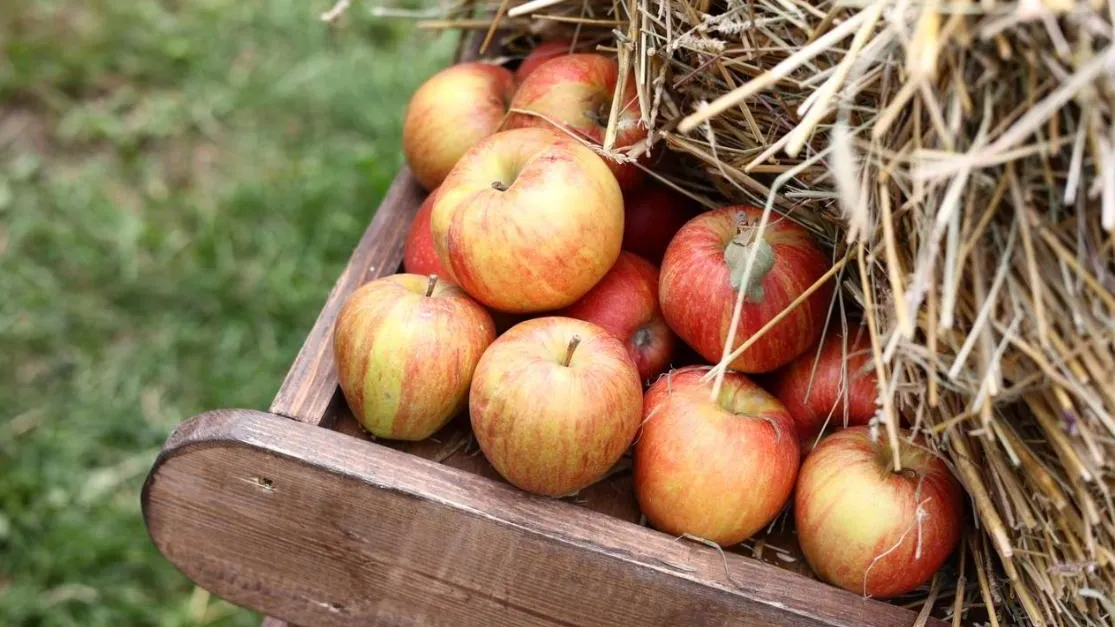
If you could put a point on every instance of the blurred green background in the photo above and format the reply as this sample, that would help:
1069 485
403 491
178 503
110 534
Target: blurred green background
180 185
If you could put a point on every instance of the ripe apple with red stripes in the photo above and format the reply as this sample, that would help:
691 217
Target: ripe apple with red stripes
706 267
528 221
405 348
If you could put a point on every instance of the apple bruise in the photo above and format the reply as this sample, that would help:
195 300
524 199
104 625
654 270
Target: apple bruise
747 242
642 337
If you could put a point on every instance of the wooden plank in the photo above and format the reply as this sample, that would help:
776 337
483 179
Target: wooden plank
453 446
319 528
613 496
311 382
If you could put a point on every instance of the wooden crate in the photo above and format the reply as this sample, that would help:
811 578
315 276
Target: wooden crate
296 513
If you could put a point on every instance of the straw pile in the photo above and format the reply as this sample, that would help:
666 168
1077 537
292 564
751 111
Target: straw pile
960 159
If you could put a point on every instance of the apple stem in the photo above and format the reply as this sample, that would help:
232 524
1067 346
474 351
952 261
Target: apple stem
430 285
499 186
572 347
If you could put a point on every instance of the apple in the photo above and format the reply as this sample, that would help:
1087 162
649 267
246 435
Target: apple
653 214
528 221
419 256
575 92
702 273
829 387
405 347
449 113
554 404
625 303
870 530
540 54
719 469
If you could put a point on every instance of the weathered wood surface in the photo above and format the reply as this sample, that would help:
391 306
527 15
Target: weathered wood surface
613 496
319 528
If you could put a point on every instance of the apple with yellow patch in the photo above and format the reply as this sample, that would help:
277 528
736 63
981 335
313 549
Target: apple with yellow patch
554 404
449 113
406 347
528 221
866 528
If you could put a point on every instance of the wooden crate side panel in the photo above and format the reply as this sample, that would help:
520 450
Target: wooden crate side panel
318 528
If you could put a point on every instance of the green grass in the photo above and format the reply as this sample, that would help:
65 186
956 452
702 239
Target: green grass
180 185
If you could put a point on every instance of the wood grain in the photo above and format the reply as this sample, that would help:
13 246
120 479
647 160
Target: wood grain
319 528
311 382
454 446
613 496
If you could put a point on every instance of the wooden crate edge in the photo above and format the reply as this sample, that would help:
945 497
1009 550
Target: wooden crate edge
316 507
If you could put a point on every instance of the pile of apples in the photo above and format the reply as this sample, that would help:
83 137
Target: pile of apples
547 290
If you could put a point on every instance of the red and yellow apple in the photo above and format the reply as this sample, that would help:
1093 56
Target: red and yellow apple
528 221
575 92
540 54
625 303
419 256
405 347
829 387
870 530
717 468
703 271
554 404
449 113
653 213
